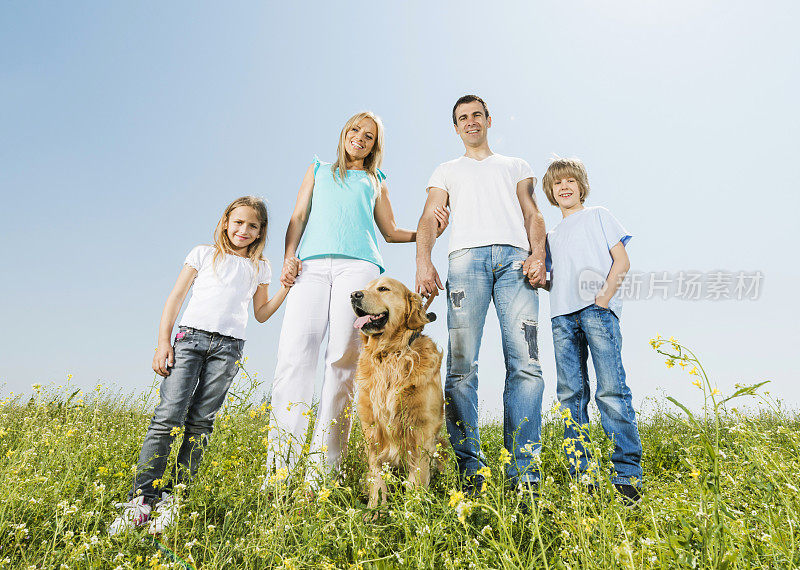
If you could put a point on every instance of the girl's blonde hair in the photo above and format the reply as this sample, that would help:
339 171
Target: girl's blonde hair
373 160
561 168
222 243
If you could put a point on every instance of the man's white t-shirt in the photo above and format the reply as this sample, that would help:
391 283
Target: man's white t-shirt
483 200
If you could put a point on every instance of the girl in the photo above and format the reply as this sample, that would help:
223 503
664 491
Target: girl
200 367
337 208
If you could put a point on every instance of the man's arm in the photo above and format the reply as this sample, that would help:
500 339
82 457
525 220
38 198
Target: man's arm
533 267
428 282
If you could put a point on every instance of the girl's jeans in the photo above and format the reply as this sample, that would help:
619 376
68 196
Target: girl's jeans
205 365
597 329
475 276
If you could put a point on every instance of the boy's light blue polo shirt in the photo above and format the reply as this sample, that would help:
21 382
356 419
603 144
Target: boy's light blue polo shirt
342 220
579 259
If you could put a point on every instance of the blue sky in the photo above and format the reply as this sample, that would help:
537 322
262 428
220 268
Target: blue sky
127 128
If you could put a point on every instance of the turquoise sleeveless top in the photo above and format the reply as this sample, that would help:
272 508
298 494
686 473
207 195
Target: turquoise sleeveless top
342 220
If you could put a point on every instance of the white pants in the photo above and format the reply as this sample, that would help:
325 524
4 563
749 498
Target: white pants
318 302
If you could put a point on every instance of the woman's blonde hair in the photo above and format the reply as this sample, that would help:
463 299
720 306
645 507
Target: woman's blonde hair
561 168
373 160
222 243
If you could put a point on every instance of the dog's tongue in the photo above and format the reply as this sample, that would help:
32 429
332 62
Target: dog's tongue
361 321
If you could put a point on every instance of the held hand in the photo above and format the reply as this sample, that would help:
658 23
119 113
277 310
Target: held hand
292 266
442 218
534 269
163 360
428 282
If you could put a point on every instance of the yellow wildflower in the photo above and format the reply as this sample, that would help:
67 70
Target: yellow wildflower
485 472
323 494
670 363
279 475
505 456
455 498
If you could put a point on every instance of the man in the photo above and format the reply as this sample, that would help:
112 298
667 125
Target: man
496 251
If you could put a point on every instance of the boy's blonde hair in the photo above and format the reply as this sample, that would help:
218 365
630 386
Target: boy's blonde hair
373 160
561 168
222 243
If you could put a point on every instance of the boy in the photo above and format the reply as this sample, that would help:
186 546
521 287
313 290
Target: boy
588 261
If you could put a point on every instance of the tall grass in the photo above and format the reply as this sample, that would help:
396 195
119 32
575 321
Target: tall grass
720 491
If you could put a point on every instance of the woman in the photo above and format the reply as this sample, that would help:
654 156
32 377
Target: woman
337 208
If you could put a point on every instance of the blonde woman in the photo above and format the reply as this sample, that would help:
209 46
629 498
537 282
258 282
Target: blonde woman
331 251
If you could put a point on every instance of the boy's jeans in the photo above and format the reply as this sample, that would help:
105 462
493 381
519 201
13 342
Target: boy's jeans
205 366
597 329
475 276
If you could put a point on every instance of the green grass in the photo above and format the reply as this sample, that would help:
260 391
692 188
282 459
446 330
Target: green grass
720 491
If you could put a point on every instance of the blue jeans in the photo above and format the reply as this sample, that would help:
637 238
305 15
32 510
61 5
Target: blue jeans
574 335
205 366
475 276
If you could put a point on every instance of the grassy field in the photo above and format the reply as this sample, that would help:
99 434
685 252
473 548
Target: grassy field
720 491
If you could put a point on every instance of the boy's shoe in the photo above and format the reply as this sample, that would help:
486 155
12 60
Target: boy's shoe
134 514
630 493
165 515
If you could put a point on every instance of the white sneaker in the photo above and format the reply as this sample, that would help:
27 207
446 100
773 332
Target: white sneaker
134 514
165 515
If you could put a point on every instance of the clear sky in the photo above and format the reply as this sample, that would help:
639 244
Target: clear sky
128 126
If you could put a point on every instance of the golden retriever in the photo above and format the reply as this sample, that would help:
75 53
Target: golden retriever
400 400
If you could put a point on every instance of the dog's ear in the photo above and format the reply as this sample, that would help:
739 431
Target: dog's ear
416 316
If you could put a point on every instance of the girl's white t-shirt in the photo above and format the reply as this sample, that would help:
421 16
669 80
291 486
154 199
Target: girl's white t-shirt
483 199
222 293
